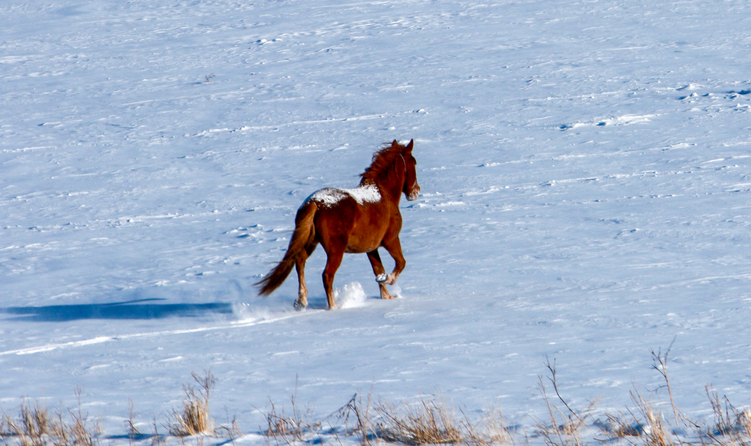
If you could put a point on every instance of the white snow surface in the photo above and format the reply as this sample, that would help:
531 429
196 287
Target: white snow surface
586 177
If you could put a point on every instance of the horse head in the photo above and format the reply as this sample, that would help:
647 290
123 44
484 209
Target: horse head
411 188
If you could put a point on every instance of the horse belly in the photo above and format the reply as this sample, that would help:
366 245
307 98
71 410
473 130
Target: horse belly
358 247
366 236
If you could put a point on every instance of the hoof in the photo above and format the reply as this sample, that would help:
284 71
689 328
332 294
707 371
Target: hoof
299 306
382 278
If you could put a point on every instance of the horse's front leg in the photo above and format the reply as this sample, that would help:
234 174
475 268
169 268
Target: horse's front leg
380 272
394 248
333 261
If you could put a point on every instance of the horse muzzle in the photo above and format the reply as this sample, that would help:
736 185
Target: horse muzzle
414 193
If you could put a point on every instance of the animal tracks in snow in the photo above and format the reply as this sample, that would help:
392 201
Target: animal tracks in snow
712 99
614 121
716 99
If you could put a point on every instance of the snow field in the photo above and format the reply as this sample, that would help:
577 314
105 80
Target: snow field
585 177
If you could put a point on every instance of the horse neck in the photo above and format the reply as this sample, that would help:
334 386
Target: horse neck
390 182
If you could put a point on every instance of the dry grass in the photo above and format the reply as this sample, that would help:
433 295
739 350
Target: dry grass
33 427
281 426
660 363
429 421
37 426
79 428
492 430
620 426
744 425
731 427
287 428
156 438
133 432
565 427
231 429
654 431
644 422
725 417
360 413
195 417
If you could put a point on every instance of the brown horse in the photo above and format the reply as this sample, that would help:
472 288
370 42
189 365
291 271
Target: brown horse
353 221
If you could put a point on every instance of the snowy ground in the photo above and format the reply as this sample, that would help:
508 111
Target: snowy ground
586 179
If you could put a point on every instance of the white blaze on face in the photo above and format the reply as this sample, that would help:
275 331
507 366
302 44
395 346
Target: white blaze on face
363 194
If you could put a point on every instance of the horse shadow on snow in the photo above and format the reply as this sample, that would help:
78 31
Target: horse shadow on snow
132 309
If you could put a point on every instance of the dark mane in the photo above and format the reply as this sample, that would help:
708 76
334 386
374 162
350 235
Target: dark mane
383 159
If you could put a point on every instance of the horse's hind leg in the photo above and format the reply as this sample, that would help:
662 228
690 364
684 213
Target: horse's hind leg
380 272
302 293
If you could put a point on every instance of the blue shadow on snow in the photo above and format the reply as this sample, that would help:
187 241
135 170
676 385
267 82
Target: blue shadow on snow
134 309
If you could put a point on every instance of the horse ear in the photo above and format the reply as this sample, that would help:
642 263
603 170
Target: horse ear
395 143
410 146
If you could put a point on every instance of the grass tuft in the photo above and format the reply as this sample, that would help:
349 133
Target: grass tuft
620 426
287 428
37 426
565 427
430 421
195 417
360 413
654 432
731 426
492 431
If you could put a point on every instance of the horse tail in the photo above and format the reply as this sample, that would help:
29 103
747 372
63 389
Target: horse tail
303 236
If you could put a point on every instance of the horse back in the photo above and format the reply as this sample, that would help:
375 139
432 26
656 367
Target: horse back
345 222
